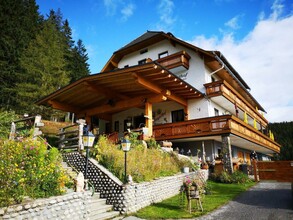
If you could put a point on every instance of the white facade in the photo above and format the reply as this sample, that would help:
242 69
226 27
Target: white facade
197 75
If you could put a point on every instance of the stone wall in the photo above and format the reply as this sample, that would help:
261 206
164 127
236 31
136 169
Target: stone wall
108 185
140 195
70 206
131 197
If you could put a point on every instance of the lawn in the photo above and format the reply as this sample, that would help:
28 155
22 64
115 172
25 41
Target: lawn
176 208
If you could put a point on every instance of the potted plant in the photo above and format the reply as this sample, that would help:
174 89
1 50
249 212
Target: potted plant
204 166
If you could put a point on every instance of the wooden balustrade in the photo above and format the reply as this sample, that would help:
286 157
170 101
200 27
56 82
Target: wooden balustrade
224 89
175 60
226 124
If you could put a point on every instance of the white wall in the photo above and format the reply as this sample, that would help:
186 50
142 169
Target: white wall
197 75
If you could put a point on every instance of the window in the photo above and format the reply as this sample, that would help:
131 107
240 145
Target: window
143 51
116 126
163 54
216 112
140 62
178 115
126 66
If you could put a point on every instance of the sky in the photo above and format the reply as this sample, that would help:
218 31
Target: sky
256 36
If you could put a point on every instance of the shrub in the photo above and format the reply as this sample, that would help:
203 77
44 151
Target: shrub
236 177
143 164
27 168
6 117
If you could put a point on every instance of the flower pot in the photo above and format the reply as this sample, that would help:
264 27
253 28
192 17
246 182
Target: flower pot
205 167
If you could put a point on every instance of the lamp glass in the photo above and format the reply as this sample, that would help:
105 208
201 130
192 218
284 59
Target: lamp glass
126 145
88 140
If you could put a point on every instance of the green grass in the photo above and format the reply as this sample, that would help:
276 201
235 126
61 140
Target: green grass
176 208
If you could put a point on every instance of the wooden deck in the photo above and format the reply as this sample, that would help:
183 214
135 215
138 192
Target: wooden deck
226 124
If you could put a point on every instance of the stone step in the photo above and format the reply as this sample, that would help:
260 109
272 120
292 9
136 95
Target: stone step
105 215
97 202
95 210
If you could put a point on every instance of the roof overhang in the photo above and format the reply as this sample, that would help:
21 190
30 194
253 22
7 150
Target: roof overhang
110 92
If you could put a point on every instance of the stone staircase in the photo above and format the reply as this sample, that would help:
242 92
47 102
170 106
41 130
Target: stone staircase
97 207
99 210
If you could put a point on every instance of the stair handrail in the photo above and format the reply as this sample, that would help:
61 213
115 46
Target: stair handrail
75 170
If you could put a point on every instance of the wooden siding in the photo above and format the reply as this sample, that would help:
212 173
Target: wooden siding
281 171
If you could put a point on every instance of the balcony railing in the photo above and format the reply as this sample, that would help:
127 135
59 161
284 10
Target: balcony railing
226 124
222 88
180 59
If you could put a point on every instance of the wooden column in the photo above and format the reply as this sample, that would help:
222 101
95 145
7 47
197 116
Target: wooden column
149 118
227 154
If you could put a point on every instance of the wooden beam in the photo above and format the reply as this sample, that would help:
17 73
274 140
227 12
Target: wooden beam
157 98
63 107
118 106
105 91
147 84
159 90
115 64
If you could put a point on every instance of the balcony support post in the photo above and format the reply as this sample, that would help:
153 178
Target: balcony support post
149 117
227 153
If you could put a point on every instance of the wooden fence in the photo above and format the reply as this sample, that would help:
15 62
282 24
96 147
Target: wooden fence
281 171
70 137
22 127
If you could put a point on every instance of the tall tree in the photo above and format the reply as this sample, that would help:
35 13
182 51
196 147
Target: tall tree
44 66
19 22
283 133
79 65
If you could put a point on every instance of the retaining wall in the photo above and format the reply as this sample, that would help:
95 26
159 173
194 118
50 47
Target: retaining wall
130 197
71 206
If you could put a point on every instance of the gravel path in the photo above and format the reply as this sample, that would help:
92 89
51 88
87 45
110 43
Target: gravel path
264 201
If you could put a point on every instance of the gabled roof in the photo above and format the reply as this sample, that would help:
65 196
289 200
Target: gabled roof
110 92
213 59
146 36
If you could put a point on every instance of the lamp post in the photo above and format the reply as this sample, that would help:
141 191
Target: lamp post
88 141
125 147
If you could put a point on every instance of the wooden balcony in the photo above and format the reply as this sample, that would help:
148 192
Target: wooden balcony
180 59
222 88
213 126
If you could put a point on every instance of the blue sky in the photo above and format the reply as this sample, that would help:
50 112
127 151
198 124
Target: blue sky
254 35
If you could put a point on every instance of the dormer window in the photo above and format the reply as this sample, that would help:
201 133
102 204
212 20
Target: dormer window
163 54
143 51
140 62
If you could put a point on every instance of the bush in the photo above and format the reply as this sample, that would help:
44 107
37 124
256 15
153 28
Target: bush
6 117
27 168
143 164
236 177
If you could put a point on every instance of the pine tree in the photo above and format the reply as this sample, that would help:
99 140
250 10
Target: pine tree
79 63
45 69
283 133
19 22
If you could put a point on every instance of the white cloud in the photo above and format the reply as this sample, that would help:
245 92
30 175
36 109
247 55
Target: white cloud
263 58
127 11
165 11
111 6
234 22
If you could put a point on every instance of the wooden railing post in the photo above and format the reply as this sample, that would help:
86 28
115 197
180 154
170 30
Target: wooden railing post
81 123
255 170
12 131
